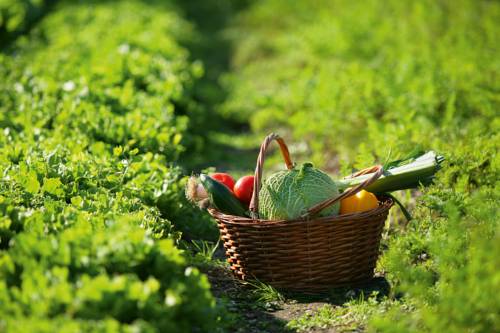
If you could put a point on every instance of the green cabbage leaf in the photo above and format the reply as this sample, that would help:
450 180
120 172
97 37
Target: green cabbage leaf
288 194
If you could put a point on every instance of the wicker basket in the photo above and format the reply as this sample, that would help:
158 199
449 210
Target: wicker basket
309 253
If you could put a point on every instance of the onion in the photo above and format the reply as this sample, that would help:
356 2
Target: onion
195 192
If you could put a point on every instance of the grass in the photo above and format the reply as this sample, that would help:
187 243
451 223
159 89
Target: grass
350 316
202 252
265 293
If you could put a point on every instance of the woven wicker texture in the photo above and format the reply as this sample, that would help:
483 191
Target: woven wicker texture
308 253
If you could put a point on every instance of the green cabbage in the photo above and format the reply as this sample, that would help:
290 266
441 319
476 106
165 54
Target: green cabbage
288 194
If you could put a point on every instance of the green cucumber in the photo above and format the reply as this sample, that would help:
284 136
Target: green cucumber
221 197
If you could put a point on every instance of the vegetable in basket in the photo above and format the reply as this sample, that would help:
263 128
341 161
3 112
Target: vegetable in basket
243 189
221 197
418 169
400 175
359 202
288 194
224 178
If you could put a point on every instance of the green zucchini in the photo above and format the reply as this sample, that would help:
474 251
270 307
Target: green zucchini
221 197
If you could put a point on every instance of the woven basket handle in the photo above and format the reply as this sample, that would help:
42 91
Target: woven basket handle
257 182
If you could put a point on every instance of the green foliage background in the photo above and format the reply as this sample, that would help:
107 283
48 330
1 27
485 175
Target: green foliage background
105 104
350 81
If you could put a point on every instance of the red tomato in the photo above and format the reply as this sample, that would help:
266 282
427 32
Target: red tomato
224 178
244 189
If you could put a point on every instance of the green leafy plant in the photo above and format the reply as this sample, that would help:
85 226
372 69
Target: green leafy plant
93 277
202 253
111 97
264 292
90 133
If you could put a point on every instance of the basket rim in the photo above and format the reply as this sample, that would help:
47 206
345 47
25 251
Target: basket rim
385 204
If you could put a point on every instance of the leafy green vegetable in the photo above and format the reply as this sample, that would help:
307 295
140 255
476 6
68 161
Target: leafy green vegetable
288 194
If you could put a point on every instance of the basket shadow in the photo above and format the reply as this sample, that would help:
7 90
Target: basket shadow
341 295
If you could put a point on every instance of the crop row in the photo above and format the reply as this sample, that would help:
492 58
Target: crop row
90 134
353 82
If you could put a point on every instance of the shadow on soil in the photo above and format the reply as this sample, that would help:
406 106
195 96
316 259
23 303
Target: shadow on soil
339 296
